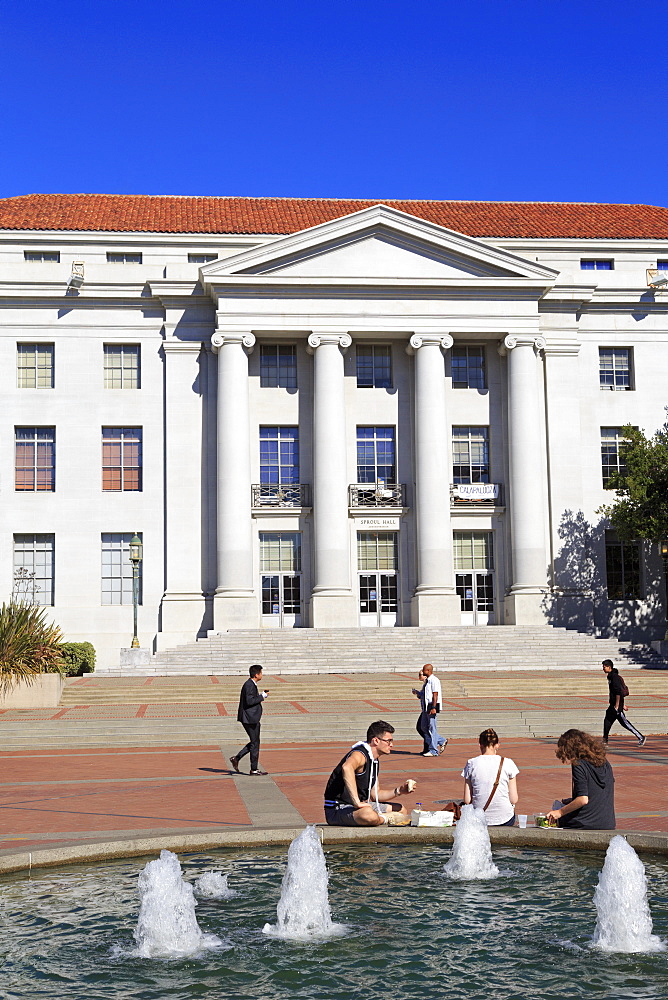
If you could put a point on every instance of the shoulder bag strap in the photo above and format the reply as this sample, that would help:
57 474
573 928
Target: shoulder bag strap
495 786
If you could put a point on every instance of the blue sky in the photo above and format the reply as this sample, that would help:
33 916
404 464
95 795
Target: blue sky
489 100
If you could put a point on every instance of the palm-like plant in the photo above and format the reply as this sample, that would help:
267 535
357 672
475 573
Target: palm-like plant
29 645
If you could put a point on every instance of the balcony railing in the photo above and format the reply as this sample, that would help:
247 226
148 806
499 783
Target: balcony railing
391 495
273 496
486 493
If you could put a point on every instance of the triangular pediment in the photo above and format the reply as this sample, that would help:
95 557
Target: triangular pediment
378 243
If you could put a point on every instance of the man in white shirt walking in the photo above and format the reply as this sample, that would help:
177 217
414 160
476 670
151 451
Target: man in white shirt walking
430 700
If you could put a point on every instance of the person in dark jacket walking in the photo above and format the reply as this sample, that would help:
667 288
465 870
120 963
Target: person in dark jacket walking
615 710
249 714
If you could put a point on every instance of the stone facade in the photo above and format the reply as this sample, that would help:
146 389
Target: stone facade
368 530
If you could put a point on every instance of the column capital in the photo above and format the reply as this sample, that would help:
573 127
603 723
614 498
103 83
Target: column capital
246 340
418 340
315 340
513 340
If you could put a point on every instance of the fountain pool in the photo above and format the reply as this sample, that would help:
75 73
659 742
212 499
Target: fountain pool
412 932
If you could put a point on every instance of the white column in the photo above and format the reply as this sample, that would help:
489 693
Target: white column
527 488
235 601
333 602
435 601
182 606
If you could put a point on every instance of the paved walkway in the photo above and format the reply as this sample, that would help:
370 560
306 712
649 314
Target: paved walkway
60 797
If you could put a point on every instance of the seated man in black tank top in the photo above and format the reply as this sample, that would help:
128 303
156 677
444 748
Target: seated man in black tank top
353 796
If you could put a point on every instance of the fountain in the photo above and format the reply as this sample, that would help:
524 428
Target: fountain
303 910
471 851
213 885
167 926
624 921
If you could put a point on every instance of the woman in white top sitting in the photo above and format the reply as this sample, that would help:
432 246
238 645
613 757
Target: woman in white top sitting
491 782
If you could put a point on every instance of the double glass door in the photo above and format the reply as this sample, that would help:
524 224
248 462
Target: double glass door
377 578
281 579
474 576
476 594
281 600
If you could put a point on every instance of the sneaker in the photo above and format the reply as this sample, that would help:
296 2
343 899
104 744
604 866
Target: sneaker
429 754
442 747
397 819
234 761
258 771
642 741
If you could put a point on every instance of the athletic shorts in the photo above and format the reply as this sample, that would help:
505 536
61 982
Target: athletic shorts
342 815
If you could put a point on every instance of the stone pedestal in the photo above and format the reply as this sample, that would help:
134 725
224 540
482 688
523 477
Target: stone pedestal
135 659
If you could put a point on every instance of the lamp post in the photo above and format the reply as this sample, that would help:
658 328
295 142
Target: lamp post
663 549
136 549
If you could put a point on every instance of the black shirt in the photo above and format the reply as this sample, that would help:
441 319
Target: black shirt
615 689
598 784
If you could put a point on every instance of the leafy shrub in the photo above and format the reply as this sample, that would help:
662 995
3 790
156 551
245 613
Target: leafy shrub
29 645
79 658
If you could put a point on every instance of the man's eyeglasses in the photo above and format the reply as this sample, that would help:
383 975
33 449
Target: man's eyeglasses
383 739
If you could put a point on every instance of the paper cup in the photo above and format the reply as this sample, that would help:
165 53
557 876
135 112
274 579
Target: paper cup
522 821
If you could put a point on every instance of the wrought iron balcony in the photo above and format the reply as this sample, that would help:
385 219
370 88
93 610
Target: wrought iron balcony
386 495
273 495
486 493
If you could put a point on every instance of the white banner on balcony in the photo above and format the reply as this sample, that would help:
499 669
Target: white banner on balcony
476 491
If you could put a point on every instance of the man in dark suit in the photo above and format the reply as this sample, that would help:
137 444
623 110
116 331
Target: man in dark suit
249 715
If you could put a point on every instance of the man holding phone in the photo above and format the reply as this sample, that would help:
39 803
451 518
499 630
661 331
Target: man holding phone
249 715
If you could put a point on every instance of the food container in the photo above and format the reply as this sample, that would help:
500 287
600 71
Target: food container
440 817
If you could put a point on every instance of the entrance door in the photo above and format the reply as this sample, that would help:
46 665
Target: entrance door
378 579
378 599
281 601
476 593
474 569
281 579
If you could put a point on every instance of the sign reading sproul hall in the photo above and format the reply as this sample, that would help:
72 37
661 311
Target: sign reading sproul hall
378 523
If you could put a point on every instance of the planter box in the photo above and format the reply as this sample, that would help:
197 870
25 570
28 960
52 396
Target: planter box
44 692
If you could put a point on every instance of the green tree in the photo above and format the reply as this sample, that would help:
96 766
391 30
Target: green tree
640 509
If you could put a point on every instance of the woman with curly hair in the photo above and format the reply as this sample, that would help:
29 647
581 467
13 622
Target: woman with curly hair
592 806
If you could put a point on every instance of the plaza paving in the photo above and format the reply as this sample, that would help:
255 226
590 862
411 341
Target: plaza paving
99 768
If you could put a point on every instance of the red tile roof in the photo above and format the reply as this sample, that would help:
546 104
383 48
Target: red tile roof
175 214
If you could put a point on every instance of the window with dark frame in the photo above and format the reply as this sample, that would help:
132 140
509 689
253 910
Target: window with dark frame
597 265
615 368
470 455
33 568
611 461
279 456
468 368
124 257
35 459
278 366
376 460
201 258
374 366
122 459
34 366
117 569
622 569
42 256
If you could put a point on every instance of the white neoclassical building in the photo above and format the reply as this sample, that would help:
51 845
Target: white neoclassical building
325 413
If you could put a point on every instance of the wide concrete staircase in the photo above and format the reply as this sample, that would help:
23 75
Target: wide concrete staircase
326 707
304 651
